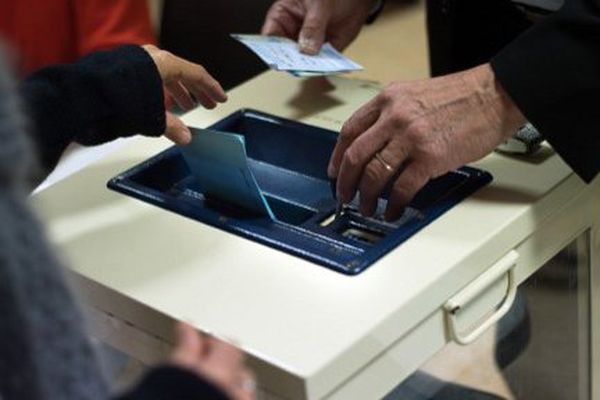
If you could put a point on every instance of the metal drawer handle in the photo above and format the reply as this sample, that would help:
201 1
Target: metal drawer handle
504 266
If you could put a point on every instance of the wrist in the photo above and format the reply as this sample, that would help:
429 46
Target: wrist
503 113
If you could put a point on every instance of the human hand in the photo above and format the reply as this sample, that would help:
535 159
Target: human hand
313 22
188 84
421 129
215 361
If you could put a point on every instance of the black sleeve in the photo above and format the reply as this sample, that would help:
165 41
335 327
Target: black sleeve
170 383
103 96
375 12
552 73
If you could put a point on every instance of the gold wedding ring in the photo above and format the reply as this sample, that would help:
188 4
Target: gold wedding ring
387 166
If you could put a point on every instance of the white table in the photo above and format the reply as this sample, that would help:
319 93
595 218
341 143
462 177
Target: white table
310 333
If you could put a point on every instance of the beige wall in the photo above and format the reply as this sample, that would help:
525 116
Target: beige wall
155 7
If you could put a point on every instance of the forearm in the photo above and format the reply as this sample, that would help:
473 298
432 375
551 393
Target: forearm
103 96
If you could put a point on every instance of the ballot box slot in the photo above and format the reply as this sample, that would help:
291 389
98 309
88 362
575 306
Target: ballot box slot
285 211
362 233
352 227
289 212
289 161
291 186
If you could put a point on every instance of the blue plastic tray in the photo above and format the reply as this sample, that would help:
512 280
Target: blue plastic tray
289 161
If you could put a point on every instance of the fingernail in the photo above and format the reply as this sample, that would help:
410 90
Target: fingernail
308 45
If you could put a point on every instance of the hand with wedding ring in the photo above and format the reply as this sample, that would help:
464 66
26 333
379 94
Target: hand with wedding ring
415 131
214 360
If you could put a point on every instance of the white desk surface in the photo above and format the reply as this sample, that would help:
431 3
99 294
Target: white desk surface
297 317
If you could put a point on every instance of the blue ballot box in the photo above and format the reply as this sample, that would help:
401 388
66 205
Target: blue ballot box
288 161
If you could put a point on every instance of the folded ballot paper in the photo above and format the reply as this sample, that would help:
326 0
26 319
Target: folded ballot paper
282 54
219 163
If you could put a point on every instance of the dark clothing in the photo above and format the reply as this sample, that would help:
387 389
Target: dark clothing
45 353
167 383
550 69
466 33
104 96
552 73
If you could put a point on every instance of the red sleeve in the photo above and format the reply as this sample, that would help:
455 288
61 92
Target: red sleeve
105 24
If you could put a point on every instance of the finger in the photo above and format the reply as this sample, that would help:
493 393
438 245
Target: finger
312 33
340 42
343 37
376 175
356 157
176 130
196 79
246 388
213 88
201 83
358 123
181 95
183 78
410 181
225 353
274 23
240 394
189 345
285 27
272 27
284 18
205 100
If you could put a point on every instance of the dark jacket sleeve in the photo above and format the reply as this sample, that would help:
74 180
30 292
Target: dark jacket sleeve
552 73
170 383
103 96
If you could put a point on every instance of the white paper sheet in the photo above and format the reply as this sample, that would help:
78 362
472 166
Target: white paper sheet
282 54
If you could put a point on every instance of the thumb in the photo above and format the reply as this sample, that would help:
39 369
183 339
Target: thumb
312 34
189 345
